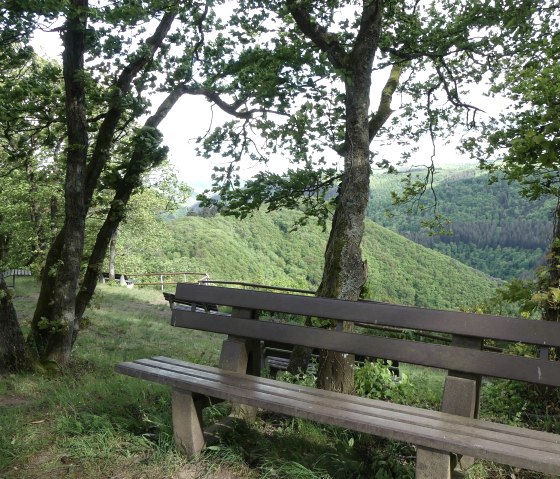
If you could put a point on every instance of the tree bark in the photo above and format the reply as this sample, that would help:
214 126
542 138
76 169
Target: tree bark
112 254
344 272
13 353
52 325
551 311
3 243
131 180
300 355
55 324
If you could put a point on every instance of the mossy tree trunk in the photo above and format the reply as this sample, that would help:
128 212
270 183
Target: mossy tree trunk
13 353
53 321
142 159
61 303
112 255
551 311
344 272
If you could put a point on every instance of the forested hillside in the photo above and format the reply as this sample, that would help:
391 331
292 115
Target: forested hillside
262 249
492 228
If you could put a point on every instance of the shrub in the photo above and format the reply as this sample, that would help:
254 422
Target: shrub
376 380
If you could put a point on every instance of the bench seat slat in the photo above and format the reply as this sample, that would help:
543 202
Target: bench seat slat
436 432
485 430
434 355
503 328
357 402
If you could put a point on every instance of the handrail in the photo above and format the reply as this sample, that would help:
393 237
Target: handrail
261 286
166 274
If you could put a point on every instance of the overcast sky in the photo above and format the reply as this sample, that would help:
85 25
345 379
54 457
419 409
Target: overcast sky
194 115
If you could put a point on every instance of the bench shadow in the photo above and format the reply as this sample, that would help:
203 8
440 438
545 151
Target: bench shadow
294 447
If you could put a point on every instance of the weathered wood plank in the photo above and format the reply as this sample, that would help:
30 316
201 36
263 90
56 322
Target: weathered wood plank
468 324
354 402
409 424
187 423
434 355
491 431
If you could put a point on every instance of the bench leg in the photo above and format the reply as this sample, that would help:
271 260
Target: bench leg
187 423
460 397
235 357
432 464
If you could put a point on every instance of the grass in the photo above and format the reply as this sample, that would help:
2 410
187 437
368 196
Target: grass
85 421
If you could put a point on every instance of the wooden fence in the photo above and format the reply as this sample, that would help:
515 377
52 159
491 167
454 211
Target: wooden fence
161 278
14 273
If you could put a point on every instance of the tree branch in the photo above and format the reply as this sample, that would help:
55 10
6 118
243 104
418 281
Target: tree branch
368 35
230 108
452 90
384 110
146 52
320 36
108 126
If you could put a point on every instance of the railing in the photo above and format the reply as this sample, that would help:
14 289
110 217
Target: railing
13 273
162 276
259 286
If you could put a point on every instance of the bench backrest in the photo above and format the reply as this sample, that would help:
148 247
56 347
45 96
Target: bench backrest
462 355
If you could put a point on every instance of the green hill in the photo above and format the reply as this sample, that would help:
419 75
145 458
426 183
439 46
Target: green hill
262 250
493 229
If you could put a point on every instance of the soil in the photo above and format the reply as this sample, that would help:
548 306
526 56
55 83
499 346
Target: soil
196 471
10 400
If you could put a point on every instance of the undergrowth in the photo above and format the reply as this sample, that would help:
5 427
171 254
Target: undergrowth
86 421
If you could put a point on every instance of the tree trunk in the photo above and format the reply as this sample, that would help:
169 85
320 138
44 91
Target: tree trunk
551 311
112 254
55 324
53 321
344 272
3 244
131 180
300 355
13 354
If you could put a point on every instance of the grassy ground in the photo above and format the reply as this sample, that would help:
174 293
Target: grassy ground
85 421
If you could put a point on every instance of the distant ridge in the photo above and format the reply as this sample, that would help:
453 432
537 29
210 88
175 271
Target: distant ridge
261 249
494 229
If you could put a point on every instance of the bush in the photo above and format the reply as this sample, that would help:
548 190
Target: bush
376 380
522 404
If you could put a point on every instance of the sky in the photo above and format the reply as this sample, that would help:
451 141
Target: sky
190 118
193 116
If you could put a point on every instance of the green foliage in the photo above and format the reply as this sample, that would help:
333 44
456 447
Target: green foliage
31 105
491 227
376 380
53 326
523 143
263 250
304 189
300 102
384 459
303 379
522 404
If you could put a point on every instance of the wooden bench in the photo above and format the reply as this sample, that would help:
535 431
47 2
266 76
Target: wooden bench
444 439
170 298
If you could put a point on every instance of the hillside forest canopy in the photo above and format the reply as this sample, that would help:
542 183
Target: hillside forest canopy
80 135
